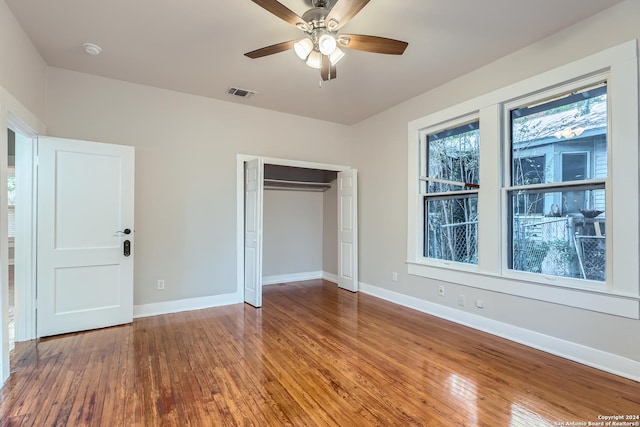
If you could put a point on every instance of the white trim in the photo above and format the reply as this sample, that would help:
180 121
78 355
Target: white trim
303 164
589 356
292 277
330 277
187 304
26 239
240 160
12 114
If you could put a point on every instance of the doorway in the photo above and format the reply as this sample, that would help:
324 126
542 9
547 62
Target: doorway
250 210
21 235
14 116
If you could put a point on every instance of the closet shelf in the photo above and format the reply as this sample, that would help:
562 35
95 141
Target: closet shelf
280 184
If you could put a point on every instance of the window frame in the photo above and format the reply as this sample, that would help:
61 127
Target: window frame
541 97
617 65
423 178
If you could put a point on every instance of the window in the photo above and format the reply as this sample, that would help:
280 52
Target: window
530 170
559 168
451 166
557 193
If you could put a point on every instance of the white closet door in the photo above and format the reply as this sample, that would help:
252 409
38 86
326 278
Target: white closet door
253 192
348 230
85 238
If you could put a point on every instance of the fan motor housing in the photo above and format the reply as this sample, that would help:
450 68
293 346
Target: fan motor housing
315 17
325 4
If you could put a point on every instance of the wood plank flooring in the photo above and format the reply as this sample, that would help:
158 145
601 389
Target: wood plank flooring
313 355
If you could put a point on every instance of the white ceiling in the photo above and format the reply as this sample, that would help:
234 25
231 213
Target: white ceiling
197 46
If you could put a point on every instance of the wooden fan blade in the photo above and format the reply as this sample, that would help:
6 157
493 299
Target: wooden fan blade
327 70
270 50
373 44
342 12
282 12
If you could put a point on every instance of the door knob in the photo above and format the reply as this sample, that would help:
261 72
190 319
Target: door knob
125 231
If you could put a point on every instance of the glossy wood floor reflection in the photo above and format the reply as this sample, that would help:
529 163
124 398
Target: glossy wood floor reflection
313 355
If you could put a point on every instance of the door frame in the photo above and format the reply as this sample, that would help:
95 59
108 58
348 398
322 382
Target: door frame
25 253
240 209
15 116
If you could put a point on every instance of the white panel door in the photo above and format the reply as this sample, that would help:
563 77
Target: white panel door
348 230
253 190
85 207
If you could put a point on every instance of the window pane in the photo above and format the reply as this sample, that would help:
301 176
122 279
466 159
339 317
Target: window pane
557 244
530 170
453 155
451 228
11 187
569 134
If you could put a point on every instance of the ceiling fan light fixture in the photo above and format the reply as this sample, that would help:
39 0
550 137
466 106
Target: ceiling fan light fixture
336 56
315 59
303 48
327 44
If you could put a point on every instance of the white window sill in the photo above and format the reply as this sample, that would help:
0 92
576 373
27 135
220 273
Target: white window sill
599 300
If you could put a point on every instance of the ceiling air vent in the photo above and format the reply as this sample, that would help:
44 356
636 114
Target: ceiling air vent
243 93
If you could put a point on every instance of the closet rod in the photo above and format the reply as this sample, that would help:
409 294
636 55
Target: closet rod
280 184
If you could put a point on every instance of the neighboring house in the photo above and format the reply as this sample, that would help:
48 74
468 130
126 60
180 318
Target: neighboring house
565 145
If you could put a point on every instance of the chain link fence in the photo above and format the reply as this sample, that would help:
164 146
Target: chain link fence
550 246
555 247
455 242
591 256
543 245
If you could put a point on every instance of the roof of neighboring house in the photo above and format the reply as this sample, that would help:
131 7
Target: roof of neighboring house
589 119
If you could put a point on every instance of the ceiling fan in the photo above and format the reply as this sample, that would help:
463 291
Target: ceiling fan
320 47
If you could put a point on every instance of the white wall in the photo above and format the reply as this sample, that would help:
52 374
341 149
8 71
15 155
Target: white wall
292 239
380 154
22 69
186 149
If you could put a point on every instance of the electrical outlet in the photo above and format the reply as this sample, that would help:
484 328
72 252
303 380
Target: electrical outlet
394 276
479 303
461 300
161 285
441 290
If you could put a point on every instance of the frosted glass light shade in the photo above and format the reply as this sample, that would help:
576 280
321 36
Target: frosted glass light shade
315 59
336 56
303 48
327 44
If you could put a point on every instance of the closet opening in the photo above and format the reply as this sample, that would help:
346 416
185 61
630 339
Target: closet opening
298 221
299 224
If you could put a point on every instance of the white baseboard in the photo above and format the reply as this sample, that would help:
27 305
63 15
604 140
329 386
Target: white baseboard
294 277
167 307
589 356
330 277
187 304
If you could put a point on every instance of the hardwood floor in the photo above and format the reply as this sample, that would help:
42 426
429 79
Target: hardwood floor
313 355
